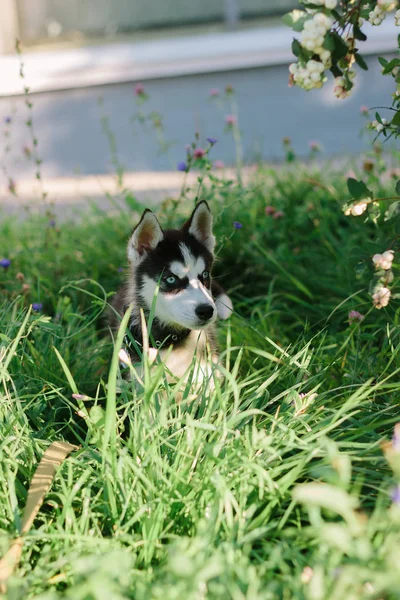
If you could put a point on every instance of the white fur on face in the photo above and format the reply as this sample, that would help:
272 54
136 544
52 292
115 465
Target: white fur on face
224 306
179 309
191 267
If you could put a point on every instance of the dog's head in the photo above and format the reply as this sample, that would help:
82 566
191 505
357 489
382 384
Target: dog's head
179 261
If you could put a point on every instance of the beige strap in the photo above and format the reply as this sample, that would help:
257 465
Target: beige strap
40 485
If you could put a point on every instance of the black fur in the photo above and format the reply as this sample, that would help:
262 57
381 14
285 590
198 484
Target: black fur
154 265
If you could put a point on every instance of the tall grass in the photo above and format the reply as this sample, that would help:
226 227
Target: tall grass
275 485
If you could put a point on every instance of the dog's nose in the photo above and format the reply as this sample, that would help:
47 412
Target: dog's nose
204 311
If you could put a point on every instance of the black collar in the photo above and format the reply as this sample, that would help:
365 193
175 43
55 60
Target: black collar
160 336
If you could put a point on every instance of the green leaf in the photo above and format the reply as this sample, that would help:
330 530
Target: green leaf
358 189
329 42
383 61
296 48
393 209
398 187
396 119
361 62
395 62
336 72
336 44
295 19
358 34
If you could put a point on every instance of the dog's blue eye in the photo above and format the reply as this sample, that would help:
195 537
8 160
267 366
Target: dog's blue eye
171 279
205 274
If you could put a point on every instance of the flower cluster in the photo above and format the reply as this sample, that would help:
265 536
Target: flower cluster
355 317
378 14
313 34
341 89
379 126
308 76
195 153
381 294
357 209
271 211
383 261
381 297
329 35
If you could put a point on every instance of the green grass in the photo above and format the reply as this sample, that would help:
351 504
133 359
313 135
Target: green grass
204 499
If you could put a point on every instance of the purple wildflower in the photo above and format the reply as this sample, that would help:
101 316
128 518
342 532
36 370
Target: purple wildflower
37 306
395 495
214 92
278 214
355 317
199 153
237 225
182 166
120 269
211 140
7 120
5 263
52 223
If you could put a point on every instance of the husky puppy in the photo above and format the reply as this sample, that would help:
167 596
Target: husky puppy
170 271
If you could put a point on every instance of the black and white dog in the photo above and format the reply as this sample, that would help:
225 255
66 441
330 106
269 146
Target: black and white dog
170 276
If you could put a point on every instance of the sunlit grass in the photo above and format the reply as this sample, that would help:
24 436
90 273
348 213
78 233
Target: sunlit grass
196 500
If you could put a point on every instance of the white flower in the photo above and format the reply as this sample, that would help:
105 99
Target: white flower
381 297
330 4
357 209
378 126
124 357
383 261
397 18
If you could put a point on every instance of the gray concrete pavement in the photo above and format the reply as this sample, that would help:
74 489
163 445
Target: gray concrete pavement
72 140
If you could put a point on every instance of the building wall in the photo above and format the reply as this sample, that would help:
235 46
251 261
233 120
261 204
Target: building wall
39 18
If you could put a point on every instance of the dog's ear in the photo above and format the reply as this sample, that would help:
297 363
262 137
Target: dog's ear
145 237
200 225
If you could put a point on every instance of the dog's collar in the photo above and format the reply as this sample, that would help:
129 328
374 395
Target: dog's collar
159 336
